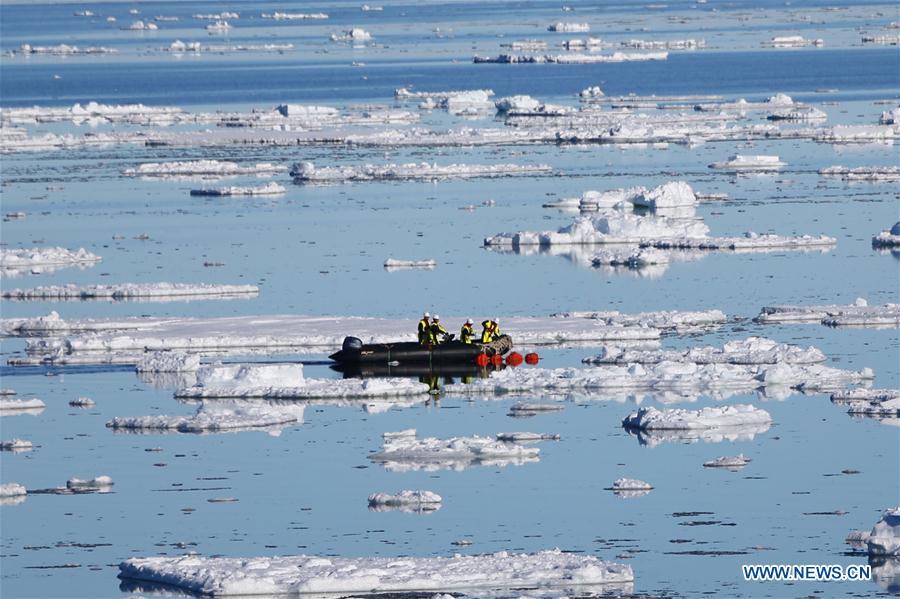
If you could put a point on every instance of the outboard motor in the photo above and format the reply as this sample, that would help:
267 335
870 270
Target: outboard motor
352 344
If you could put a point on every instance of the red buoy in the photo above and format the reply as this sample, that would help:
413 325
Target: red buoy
482 360
532 358
514 359
496 359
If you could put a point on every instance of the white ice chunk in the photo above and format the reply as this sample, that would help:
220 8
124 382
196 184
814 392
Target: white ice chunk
91 483
730 462
406 501
295 16
737 415
286 381
744 163
307 172
753 350
12 490
216 417
889 238
354 36
858 314
259 190
21 404
615 57
310 574
630 484
405 452
392 263
669 195
569 27
82 402
884 539
31 258
218 168
526 437
168 361
132 291
863 173
16 445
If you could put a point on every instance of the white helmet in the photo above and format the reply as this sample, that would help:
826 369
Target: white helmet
497 320
436 317
426 315
468 321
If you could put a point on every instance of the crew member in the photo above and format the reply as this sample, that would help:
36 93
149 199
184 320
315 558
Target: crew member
437 331
425 329
490 330
466 333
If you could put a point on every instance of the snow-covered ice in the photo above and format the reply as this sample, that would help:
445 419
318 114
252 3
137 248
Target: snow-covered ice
168 361
753 350
15 405
571 58
666 320
630 484
562 27
860 313
730 462
35 260
526 437
884 539
307 172
863 173
286 381
259 190
405 501
353 36
525 409
132 291
668 195
211 168
295 16
737 415
310 574
888 238
216 417
394 264
16 445
12 490
82 402
746 163
91 483
404 451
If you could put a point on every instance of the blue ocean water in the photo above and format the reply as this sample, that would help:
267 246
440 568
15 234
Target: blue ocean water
319 250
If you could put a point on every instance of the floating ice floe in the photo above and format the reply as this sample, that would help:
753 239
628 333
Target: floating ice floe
797 113
405 501
371 8
91 483
753 350
142 26
393 264
730 462
569 27
62 50
713 425
685 44
650 230
132 291
863 173
180 47
168 361
307 172
525 45
37 260
286 381
889 238
848 396
571 58
126 341
668 195
630 487
295 16
858 134
792 41
666 320
21 405
260 190
527 437
887 408
311 574
82 402
663 376
217 417
884 538
356 35
16 445
217 16
402 451
212 168
218 27
749 163
12 490
526 409
890 117
882 40
860 313
93 112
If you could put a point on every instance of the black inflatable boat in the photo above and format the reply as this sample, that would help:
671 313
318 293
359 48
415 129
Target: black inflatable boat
411 352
